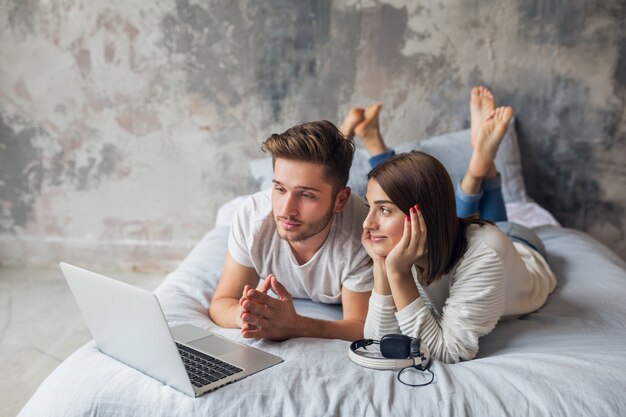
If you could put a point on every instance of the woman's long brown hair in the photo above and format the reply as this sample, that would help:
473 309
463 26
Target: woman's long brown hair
417 177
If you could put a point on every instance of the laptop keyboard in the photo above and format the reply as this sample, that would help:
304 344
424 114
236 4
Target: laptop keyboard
204 369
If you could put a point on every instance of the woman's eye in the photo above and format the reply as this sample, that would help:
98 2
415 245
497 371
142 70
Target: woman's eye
385 210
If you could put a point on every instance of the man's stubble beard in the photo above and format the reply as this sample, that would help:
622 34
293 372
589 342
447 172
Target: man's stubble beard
314 229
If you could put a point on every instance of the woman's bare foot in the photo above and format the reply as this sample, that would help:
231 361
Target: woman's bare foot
354 117
487 141
482 104
369 130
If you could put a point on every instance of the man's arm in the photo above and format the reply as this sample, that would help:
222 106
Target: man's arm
225 309
355 306
276 319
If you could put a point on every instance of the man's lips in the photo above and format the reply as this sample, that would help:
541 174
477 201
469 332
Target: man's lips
289 224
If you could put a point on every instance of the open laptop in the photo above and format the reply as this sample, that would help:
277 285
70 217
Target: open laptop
128 324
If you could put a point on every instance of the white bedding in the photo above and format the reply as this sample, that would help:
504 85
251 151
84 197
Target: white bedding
566 359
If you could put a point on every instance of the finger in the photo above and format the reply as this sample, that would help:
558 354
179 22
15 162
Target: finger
406 233
252 307
259 332
262 298
415 229
254 320
248 326
265 285
280 289
254 334
421 245
243 296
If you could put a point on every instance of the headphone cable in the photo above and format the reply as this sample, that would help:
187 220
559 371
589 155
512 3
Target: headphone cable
416 385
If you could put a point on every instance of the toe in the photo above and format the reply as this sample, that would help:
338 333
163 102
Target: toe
372 111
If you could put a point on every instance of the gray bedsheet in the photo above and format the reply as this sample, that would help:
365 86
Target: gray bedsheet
567 359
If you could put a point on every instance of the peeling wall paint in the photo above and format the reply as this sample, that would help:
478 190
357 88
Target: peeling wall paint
124 126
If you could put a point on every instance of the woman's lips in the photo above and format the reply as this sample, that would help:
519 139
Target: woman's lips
377 239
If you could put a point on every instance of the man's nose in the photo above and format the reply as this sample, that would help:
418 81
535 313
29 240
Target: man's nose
290 206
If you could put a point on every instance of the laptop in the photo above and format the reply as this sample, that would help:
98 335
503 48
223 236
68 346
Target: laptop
127 324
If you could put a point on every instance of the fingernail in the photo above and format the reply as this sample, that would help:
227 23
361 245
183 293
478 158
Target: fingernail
413 210
418 207
408 218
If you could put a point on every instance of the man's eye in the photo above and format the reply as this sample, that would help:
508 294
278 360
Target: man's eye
279 189
308 196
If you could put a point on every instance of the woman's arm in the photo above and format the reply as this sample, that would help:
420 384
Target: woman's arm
473 308
381 318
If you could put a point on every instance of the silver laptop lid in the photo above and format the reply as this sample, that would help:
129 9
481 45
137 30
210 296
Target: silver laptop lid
114 311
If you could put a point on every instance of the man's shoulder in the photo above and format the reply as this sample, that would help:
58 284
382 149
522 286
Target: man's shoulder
257 206
356 207
254 214
349 222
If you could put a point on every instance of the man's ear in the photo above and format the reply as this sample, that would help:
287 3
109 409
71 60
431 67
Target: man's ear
342 199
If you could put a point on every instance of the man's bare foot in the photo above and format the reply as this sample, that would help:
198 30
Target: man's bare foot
369 130
487 142
482 104
354 117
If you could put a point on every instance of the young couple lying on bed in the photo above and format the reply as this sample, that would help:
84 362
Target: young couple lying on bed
439 272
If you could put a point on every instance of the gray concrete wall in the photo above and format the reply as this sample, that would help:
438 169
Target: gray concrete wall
125 125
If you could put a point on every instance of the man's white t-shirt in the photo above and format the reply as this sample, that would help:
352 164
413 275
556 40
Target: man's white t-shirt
341 261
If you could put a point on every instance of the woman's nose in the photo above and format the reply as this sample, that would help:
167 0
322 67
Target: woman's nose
369 223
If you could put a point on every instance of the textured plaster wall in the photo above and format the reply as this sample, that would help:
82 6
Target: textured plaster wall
125 125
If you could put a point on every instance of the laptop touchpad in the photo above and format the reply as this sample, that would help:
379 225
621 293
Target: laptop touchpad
214 345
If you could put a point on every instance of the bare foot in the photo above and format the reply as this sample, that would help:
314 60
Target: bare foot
354 117
482 104
487 142
369 130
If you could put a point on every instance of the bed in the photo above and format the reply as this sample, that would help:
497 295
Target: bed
568 358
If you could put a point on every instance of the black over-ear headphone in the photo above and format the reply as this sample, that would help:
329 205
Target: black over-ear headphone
399 351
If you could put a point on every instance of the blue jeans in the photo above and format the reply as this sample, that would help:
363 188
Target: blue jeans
489 204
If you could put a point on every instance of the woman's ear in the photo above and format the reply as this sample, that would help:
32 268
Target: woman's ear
342 198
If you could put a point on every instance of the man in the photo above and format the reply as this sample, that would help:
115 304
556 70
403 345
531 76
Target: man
304 237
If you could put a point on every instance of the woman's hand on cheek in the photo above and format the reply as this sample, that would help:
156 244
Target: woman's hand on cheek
411 248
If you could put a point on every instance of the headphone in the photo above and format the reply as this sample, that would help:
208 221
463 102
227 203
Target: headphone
399 351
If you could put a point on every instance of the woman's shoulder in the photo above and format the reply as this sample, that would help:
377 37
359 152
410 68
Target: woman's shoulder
484 255
487 238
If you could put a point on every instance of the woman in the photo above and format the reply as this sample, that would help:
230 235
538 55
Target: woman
439 274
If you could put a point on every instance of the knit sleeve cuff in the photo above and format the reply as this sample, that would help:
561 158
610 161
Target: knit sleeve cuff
407 317
383 301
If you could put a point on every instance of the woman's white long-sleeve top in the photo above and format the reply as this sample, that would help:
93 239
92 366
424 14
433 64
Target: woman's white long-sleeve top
494 279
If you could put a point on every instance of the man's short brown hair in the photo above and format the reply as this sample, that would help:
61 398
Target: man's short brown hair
316 142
